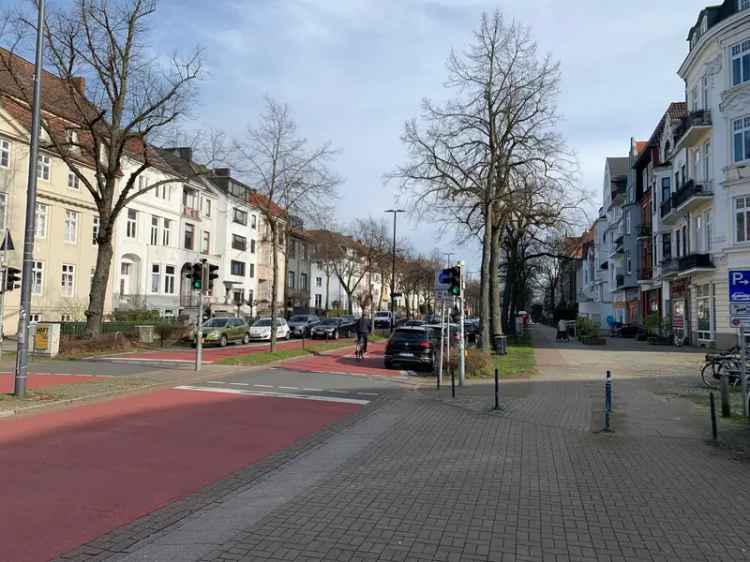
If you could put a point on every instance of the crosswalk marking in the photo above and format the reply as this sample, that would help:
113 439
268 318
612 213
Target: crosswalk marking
275 394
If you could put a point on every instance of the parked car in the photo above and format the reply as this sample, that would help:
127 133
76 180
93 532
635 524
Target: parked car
261 329
414 323
301 324
382 320
412 346
435 333
348 322
329 328
221 331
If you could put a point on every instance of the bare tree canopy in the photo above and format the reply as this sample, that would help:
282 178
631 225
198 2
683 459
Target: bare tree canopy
291 177
106 99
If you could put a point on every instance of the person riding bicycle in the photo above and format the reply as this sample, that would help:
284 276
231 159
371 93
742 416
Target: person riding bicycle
363 331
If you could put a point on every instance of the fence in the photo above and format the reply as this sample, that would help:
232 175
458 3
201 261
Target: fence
79 328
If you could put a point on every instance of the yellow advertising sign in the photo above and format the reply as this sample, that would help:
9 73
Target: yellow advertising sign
41 338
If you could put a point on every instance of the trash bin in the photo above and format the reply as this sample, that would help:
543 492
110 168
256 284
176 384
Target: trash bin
501 344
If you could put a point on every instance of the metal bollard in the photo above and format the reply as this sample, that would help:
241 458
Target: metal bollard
607 401
726 407
713 415
497 390
453 383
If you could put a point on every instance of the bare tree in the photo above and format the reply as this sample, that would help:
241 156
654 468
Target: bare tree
110 100
290 176
375 251
502 122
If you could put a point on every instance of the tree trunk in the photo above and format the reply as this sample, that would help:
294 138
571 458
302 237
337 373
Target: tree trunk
495 302
98 295
485 289
274 283
328 289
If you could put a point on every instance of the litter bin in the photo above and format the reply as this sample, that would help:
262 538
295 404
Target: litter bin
501 344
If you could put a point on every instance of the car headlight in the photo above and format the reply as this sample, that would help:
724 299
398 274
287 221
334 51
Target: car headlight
213 335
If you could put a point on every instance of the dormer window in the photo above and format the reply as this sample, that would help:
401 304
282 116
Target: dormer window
704 23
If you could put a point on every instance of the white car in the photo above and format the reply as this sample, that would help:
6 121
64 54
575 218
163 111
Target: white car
261 329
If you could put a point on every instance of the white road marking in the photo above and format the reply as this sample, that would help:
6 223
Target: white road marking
239 384
368 393
339 391
275 395
263 386
215 382
313 389
288 388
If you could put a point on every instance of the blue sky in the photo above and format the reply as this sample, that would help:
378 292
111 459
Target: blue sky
354 70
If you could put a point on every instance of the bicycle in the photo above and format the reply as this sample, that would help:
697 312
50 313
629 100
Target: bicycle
359 350
718 364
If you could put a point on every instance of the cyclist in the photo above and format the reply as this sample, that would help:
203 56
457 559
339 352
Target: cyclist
363 331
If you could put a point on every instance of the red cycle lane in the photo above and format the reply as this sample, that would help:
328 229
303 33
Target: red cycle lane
41 381
343 361
71 476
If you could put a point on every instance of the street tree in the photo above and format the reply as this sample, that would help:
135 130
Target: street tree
375 250
109 99
291 178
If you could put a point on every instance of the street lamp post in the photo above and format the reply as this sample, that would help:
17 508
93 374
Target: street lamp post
393 269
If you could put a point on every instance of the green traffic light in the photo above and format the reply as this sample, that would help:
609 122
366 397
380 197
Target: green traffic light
197 284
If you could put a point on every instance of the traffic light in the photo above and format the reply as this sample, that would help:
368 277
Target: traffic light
196 274
213 273
12 278
454 281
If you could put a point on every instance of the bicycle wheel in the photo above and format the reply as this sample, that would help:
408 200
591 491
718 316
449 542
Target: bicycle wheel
710 374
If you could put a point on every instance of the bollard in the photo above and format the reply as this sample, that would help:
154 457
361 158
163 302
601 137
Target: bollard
497 391
726 407
607 401
713 416
453 383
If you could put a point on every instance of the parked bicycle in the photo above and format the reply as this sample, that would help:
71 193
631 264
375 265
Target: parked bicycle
717 364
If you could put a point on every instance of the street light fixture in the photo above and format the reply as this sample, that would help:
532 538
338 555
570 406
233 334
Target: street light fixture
393 270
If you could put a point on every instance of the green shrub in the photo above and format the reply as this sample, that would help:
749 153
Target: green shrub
142 316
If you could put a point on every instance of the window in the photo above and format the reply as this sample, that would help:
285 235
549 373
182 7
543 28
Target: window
685 240
67 281
168 313
292 248
290 280
154 230
4 153
666 246
694 99
73 181
252 270
628 261
704 86
163 191
303 281
666 189
169 280
627 222
95 231
189 236
698 236
166 232
254 222
707 231
239 242
132 224
741 139
697 164
42 169
155 277
318 301
252 246
35 318
741 63
37 278
66 318
743 5
318 282
705 306
239 216
678 244
142 183
71 226
206 242
742 219
237 268
707 161
207 207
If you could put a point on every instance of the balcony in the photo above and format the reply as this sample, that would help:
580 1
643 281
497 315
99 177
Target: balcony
670 267
191 213
694 263
690 195
692 128
644 231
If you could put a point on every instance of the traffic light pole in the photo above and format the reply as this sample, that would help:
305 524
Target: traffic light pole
199 322
462 338
22 357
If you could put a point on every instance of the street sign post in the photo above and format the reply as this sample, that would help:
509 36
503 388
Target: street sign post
739 316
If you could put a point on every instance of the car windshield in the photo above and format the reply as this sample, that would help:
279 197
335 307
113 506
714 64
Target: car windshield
264 323
298 319
382 315
216 323
330 322
409 335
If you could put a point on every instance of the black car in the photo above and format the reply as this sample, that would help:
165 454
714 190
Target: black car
410 346
301 325
414 323
328 329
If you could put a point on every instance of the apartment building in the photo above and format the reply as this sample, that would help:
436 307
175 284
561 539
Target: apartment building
66 217
299 259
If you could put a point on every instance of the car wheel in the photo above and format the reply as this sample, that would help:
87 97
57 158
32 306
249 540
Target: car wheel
246 339
223 341
335 335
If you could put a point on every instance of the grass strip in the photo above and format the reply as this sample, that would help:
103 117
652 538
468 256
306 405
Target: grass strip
520 362
264 357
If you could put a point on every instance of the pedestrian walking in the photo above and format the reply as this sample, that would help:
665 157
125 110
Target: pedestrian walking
562 330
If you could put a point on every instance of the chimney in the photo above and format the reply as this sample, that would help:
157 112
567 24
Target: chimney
79 83
223 172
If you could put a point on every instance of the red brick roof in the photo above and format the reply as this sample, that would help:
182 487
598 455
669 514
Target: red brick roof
262 202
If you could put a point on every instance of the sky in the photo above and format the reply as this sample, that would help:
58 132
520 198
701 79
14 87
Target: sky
353 71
